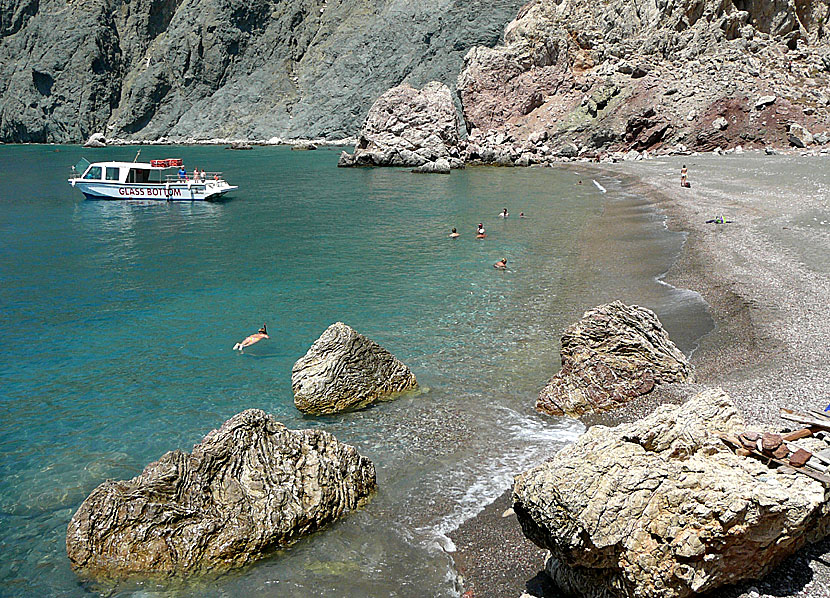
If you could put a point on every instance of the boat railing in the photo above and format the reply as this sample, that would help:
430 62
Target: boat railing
210 177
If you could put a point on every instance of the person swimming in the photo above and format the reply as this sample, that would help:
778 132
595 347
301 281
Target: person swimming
252 339
454 234
480 234
504 213
521 214
501 264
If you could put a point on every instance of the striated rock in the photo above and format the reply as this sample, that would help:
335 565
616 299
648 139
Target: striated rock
96 140
440 166
612 355
249 487
799 136
408 127
661 508
345 370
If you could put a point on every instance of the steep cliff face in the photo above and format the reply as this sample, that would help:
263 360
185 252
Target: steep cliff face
583 76
143 69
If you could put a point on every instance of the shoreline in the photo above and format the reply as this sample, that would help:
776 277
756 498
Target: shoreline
765 353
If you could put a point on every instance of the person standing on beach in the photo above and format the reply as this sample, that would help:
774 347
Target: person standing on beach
683 173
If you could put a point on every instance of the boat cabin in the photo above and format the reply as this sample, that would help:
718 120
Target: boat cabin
131 172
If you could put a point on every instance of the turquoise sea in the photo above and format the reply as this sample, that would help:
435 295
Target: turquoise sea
117 321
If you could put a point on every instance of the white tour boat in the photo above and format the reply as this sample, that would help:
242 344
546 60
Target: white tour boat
147 181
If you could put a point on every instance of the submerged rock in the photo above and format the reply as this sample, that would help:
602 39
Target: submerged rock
661 508
249 487
408 127
345 370
613 354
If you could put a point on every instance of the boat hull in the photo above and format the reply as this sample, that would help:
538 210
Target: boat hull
188 191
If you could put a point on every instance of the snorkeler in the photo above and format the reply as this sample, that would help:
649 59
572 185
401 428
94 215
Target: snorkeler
501 264
252 339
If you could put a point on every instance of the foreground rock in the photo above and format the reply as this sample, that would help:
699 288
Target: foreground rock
345 370
408 127
247 488
615 353
662 508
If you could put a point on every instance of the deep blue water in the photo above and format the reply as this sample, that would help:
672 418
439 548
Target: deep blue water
117 321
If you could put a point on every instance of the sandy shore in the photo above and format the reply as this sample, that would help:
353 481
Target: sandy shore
766 275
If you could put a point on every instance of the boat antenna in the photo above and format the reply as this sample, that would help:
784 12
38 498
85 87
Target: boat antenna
138 153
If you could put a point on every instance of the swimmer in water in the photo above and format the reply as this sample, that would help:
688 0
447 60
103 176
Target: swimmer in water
501 264
580 182
480 234
504 213
454 234
252 339
521 214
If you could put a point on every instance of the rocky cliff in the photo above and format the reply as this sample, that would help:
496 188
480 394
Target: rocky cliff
143 69
578 77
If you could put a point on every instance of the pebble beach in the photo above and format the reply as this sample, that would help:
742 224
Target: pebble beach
765 273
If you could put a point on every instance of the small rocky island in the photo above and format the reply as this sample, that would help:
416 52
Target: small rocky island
249 487
614 354
343 370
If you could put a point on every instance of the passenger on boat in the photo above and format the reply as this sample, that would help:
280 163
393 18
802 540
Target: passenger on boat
182 173
252 339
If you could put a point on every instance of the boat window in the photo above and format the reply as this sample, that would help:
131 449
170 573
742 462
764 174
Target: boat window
112 173
138 175
93 173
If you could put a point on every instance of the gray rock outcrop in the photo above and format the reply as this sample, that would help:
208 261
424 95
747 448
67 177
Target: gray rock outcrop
408 127
344 370
146 69
249 487
661 508
615 353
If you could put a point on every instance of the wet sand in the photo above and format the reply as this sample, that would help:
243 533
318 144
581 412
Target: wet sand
766 278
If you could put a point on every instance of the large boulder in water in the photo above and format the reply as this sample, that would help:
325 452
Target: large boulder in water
249 487
615 353
345 370
661 508
408 127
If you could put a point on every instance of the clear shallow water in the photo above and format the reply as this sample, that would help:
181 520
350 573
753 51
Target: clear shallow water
118 320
